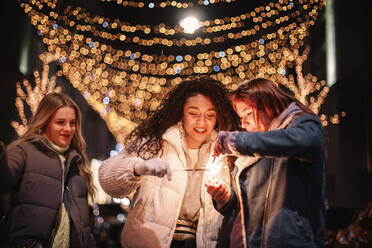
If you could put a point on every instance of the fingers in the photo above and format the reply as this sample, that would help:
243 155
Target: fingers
159 168
169 172
217 149
218 190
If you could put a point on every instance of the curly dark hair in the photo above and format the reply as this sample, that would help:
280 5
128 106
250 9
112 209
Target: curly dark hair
147 137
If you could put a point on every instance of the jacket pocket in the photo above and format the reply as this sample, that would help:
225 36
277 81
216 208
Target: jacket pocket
289 229
298 226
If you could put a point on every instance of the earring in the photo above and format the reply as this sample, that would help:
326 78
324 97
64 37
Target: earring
180 127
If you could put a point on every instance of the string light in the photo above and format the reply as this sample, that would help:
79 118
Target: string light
33 95
166 3
304 87
124 84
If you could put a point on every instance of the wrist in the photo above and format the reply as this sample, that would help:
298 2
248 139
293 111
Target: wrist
136 169
220 205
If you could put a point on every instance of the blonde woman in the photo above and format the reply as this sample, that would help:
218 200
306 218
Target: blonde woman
48 176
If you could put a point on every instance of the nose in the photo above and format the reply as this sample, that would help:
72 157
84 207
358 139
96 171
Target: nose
67 127
201 119
245 120
245 123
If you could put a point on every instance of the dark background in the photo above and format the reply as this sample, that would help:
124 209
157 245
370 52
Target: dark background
349 167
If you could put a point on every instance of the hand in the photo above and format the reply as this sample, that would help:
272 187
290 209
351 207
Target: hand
154 167
225 143
217 150
219 192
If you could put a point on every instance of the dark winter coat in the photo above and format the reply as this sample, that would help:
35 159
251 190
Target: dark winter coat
34 177
282 194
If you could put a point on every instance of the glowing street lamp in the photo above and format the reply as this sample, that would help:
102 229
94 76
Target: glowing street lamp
190 24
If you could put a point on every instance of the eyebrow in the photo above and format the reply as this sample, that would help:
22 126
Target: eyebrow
193 107
245 109
62 119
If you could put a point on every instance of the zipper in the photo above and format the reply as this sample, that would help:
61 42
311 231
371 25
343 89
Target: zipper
54 231
267 205
73 222
239 172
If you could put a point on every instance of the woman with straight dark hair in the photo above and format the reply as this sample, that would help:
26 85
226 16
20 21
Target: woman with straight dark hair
278 198
48 176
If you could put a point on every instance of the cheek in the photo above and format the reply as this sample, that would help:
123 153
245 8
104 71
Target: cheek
212 123
73 129
187 123
51 130
248 126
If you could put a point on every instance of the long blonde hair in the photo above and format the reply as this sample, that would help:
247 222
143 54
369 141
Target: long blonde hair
47 107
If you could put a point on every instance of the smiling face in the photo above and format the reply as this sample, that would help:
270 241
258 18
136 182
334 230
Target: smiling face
199 119
248 117
62 126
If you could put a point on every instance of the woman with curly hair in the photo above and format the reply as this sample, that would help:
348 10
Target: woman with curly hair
172 211
47 174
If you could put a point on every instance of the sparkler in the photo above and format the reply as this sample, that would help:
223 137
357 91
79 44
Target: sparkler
214 167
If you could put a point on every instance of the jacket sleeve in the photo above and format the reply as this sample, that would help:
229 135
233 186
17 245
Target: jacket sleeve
11 168
229 206
116 175
302 139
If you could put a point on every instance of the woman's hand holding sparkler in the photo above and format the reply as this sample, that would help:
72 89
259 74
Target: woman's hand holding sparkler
219 191
154 167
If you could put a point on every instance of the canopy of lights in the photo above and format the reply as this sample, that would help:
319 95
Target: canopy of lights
123 68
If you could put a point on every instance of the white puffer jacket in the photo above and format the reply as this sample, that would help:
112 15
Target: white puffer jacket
157 202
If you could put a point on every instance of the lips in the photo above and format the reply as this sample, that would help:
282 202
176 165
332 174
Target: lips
66 136
200 130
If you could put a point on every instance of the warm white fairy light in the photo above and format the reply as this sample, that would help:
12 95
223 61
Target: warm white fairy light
33 95
124 85
307 89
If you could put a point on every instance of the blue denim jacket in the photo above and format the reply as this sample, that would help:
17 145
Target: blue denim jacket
283 193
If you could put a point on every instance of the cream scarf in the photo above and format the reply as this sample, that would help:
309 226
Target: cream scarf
62 237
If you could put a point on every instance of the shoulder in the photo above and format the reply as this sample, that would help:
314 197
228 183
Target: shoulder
19 152
20 146
172 134
307 118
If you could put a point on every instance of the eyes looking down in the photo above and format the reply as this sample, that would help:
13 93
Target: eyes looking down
199 119
248 116
61 127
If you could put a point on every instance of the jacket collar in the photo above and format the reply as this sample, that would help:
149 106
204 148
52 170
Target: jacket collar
285 117
174 136
71 154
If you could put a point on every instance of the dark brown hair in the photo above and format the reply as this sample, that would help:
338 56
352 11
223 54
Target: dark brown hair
147 137
268 99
